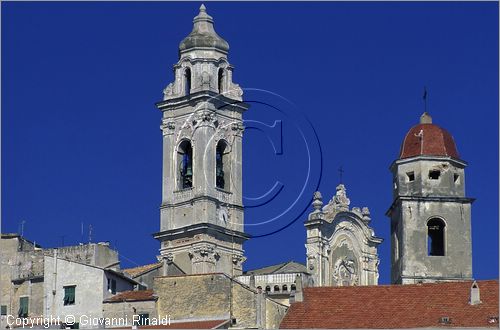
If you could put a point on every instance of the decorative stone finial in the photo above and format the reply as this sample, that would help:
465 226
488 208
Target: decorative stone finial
366 214
317 202
425 118
203 8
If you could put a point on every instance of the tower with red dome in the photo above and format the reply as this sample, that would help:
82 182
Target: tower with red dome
430 214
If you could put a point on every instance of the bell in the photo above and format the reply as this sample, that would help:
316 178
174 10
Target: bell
189 171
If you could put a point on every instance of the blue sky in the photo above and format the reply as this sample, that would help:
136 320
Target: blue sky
80 132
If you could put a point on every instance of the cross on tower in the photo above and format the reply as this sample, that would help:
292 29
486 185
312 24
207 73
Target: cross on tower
341 172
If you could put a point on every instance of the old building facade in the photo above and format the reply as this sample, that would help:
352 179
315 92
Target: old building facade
202 212
430 214
38 282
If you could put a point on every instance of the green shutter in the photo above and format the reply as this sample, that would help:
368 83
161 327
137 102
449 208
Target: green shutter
3 310
69 295
23 307
113 286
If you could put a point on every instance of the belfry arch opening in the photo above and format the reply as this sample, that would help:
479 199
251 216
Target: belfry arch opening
222 166
187 81
220 81
435 237
185 161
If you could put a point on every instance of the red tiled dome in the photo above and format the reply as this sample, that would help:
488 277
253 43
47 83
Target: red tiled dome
428 139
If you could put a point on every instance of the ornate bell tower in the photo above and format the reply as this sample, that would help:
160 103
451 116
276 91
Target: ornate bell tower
201 228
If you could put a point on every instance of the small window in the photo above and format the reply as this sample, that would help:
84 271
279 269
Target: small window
285 288
142 320
187 81
23 307
410 176
292 287
435 237
434 174
276 288
220 81
268 288
69 295
112 285
3 310
456 178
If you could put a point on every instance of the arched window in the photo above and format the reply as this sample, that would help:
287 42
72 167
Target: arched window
268 288
185 161
292 287
435 237
276 288
222 166
220 81
187 81
285 288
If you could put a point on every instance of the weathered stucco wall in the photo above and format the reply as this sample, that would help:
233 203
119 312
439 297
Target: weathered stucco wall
126 309
195 296
215 296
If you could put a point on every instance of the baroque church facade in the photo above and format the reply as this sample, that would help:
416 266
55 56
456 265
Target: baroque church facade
202 215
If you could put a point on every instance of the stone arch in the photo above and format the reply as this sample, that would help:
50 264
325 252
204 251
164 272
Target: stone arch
184 162
223 165
436 236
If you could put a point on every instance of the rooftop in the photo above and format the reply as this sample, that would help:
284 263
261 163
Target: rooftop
140 295
283 268
136 271
444 304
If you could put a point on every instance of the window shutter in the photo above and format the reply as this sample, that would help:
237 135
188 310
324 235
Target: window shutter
23 307
72 295
113 286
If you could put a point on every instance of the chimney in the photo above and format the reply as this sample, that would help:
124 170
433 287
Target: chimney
475 298
297 296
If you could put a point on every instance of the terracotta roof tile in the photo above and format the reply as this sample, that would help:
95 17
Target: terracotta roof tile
430 140
136 271
132 296
395 306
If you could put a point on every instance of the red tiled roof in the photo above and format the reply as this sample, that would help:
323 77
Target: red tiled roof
395 306
136 271
428 139
132 296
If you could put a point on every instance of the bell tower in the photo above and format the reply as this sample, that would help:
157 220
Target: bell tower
201 226
430 214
